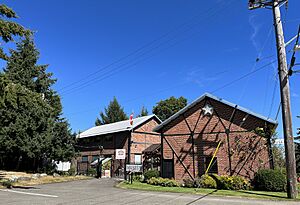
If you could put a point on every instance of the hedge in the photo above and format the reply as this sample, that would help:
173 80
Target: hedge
270 180
151 173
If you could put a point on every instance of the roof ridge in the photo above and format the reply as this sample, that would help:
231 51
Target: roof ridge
119 126
221 100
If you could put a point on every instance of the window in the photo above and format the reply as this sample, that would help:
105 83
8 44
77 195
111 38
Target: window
214 165
137 159
95 157
84 158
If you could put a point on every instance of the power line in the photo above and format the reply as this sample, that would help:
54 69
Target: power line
273 97
208 12
243 76
220 88
119 68
258 59
277 114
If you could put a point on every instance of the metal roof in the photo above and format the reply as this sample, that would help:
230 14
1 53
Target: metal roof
167 121
116 127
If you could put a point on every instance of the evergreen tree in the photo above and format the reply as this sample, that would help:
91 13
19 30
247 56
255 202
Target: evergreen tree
8 28
166 108
113 113
24 130
31 125
144 112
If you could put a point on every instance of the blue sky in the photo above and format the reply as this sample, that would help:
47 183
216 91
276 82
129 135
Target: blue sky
167 48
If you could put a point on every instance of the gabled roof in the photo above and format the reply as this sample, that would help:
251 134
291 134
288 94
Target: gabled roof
116 127
183 110
152 148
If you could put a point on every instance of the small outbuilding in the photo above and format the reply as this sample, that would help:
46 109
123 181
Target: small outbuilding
212 135
121 142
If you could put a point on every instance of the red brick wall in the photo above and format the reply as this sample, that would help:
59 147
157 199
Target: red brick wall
120 141
143 141
249 151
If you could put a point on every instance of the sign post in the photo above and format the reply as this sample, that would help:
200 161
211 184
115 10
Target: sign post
133 168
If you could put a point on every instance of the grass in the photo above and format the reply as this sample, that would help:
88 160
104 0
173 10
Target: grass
213 192
50 179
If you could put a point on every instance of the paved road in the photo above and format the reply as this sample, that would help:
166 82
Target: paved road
89 192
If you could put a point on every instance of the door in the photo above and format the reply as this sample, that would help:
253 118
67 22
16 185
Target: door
168 168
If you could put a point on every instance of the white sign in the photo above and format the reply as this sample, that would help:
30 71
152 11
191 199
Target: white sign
63 166
120 153
134 168
279 141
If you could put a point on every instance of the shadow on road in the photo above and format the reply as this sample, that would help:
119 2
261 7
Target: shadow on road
262 194
201 197
24 187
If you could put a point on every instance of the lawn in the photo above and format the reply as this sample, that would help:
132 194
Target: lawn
214 192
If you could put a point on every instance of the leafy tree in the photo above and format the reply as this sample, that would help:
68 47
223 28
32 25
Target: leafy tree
144 112
31 126
278 152
166 108
8 28
113 113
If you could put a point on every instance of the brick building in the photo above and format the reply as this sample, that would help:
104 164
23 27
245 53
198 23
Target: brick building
190 138
102 141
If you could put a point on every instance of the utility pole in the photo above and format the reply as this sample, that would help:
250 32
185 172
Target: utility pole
284 92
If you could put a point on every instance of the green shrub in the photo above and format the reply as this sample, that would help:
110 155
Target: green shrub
170 183
153 181
72 171
62 173
206 181
7 183
151 173
270 180
231 182
106 166
91 172
162 182
189 183
138 178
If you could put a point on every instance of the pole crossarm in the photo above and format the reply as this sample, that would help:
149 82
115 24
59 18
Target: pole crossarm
257 4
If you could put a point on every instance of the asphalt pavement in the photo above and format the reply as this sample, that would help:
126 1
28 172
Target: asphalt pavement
102 191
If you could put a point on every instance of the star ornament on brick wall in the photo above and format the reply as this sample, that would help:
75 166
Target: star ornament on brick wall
207 110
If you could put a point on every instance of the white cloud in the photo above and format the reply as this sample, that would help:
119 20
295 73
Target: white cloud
199 77
255 27
295 95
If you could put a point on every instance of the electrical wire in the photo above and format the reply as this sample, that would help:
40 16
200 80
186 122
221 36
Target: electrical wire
242 77
121 68
256 62
277 114
216 11
273 97
163 90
